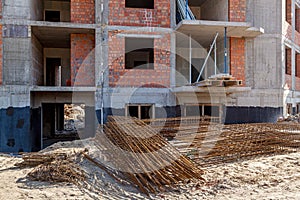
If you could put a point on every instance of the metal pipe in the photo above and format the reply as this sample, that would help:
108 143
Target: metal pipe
186 9
190 57
206 59
225 51
215 57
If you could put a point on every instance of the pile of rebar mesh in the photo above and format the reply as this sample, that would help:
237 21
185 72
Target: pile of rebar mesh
210 143
53 167
137 152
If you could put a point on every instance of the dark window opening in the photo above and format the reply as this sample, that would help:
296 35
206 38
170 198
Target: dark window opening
212 111
53 74
140 111
146 112
139 53
149 4
133 111
52 16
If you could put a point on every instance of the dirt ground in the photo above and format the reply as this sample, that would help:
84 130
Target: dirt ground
269 177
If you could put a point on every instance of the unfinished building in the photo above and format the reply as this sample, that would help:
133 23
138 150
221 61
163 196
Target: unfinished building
142 59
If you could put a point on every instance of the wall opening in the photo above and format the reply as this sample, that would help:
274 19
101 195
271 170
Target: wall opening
149 4
52 16
53 71
61 122
297 18
140 111
139 53
207 112
288 61
288 11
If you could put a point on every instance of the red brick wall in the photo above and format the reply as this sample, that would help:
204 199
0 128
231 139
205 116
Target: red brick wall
288 11
159 16
237 10
1 74
237 58
0 9
82 60
121 77
237 13
288 61
83 11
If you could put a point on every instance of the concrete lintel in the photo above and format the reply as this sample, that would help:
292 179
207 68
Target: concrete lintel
193 89
202 30
140 29
62 89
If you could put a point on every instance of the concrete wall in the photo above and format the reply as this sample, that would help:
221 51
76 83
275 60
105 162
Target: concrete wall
64 54
266 14
36 10
63 7
16 9
216 10
37 69
16 55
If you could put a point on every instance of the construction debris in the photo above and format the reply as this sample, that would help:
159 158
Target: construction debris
128 150
54 166
219 80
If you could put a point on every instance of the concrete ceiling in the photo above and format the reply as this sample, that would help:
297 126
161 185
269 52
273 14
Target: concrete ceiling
56 37
203 32
196 2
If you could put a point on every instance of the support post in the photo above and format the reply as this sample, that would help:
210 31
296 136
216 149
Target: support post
225 51
190 57
215 57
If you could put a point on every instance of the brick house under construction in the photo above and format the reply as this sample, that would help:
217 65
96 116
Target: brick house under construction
143 58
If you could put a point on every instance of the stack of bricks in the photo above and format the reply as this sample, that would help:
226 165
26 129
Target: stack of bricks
157 17
83 11
82 60
154 78
237 13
